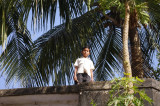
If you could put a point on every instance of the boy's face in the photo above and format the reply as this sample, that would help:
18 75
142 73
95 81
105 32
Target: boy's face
85 52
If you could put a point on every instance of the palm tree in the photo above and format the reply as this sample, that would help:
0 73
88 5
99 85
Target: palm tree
21 64
140 14
16 61
136 21
50 57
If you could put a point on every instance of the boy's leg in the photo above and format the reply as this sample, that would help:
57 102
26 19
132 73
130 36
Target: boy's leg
79 77
86 78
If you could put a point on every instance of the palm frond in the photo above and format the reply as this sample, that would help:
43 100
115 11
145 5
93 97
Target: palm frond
109 58
42 11
54 53
57 49
149 35
15 59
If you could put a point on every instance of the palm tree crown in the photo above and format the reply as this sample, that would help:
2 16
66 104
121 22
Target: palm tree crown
51 56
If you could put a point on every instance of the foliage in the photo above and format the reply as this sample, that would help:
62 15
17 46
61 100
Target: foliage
18 59
54 52
156 72
40 10
93 103
158 68
120 96
109 4
140 6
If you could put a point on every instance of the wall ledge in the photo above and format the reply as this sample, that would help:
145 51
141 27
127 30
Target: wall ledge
98 85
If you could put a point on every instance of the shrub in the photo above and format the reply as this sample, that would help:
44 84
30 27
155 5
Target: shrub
120 96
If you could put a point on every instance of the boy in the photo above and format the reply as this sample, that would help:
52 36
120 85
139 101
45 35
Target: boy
83 67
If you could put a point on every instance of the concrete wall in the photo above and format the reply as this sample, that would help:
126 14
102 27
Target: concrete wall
43 96
80 95
99 92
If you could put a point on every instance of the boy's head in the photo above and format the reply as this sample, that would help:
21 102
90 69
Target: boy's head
85 51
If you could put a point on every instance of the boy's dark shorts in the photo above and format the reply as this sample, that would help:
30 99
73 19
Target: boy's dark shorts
83 77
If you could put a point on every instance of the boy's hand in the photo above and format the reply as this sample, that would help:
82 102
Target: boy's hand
75 78
92 80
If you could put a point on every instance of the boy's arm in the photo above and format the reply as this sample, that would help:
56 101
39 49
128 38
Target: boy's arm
91 75
75 73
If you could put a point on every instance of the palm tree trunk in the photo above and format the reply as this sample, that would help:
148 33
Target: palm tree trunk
136 54
126 60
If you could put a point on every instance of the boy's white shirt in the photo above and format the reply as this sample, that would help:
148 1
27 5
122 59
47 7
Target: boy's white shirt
84 65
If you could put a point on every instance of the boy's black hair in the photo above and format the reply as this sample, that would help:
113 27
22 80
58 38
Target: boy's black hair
86 47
